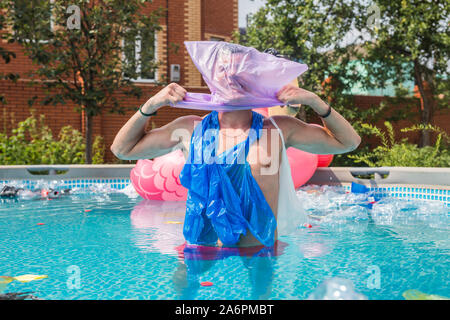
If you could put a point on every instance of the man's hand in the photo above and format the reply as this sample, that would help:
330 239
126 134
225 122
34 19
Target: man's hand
291 94
169 95
339 136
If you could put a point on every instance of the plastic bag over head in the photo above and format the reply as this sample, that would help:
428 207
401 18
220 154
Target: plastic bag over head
238 77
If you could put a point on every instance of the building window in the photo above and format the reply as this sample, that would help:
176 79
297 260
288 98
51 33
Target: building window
140 56
216 39
33 17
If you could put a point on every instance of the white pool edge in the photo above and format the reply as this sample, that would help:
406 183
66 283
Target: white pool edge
431 184
329 175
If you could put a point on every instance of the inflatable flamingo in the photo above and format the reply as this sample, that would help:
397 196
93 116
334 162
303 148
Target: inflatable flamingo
158 179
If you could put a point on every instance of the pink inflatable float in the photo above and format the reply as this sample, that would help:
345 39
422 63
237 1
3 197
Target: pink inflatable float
303 165
324 160
158 179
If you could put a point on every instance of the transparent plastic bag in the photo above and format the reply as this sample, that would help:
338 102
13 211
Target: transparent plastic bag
238 77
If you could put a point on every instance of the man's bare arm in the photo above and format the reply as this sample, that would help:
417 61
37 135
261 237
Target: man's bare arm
338 136
132 143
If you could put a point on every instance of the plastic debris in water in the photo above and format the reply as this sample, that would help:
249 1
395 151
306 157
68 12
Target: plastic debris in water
174 222
18 296
4 281
359 188
30 277
418 295
336 289
206 284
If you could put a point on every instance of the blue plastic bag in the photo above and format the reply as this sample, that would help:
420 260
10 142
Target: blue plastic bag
359 188
224 200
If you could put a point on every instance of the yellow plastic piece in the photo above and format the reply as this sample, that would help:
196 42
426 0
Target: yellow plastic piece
417 295
5 279
173 222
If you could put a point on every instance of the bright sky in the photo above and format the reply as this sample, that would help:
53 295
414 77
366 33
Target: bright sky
246 7
251 6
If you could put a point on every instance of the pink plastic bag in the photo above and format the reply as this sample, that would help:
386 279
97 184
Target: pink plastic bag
238 77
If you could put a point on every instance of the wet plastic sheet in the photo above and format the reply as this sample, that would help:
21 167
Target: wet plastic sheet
238 77
224 200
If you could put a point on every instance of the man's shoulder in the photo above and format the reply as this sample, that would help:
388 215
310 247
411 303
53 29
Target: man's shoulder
186 122
282 121
189 118
287 125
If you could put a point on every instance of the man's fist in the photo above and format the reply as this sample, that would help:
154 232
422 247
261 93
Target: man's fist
290 94
168 96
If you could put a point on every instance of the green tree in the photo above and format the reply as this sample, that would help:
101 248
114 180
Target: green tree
312 32
410 40
86 50
5 54
391 46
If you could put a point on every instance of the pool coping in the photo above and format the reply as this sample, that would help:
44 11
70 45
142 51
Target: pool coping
438 177
74 171
420 177
431 184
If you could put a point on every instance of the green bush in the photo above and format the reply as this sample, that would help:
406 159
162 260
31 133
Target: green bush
404 154
32 142
344 160
98 150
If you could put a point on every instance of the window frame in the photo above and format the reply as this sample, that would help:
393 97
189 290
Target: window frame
137 57
52 23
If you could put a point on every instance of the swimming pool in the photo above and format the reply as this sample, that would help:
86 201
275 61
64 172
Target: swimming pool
103 243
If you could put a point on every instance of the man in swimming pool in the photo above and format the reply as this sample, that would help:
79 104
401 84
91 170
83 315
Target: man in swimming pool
133 143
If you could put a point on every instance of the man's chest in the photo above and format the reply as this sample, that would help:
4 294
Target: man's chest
264 154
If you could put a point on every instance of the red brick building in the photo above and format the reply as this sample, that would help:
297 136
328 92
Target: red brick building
186 20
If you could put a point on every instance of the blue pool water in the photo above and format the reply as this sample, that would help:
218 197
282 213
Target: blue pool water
104 244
